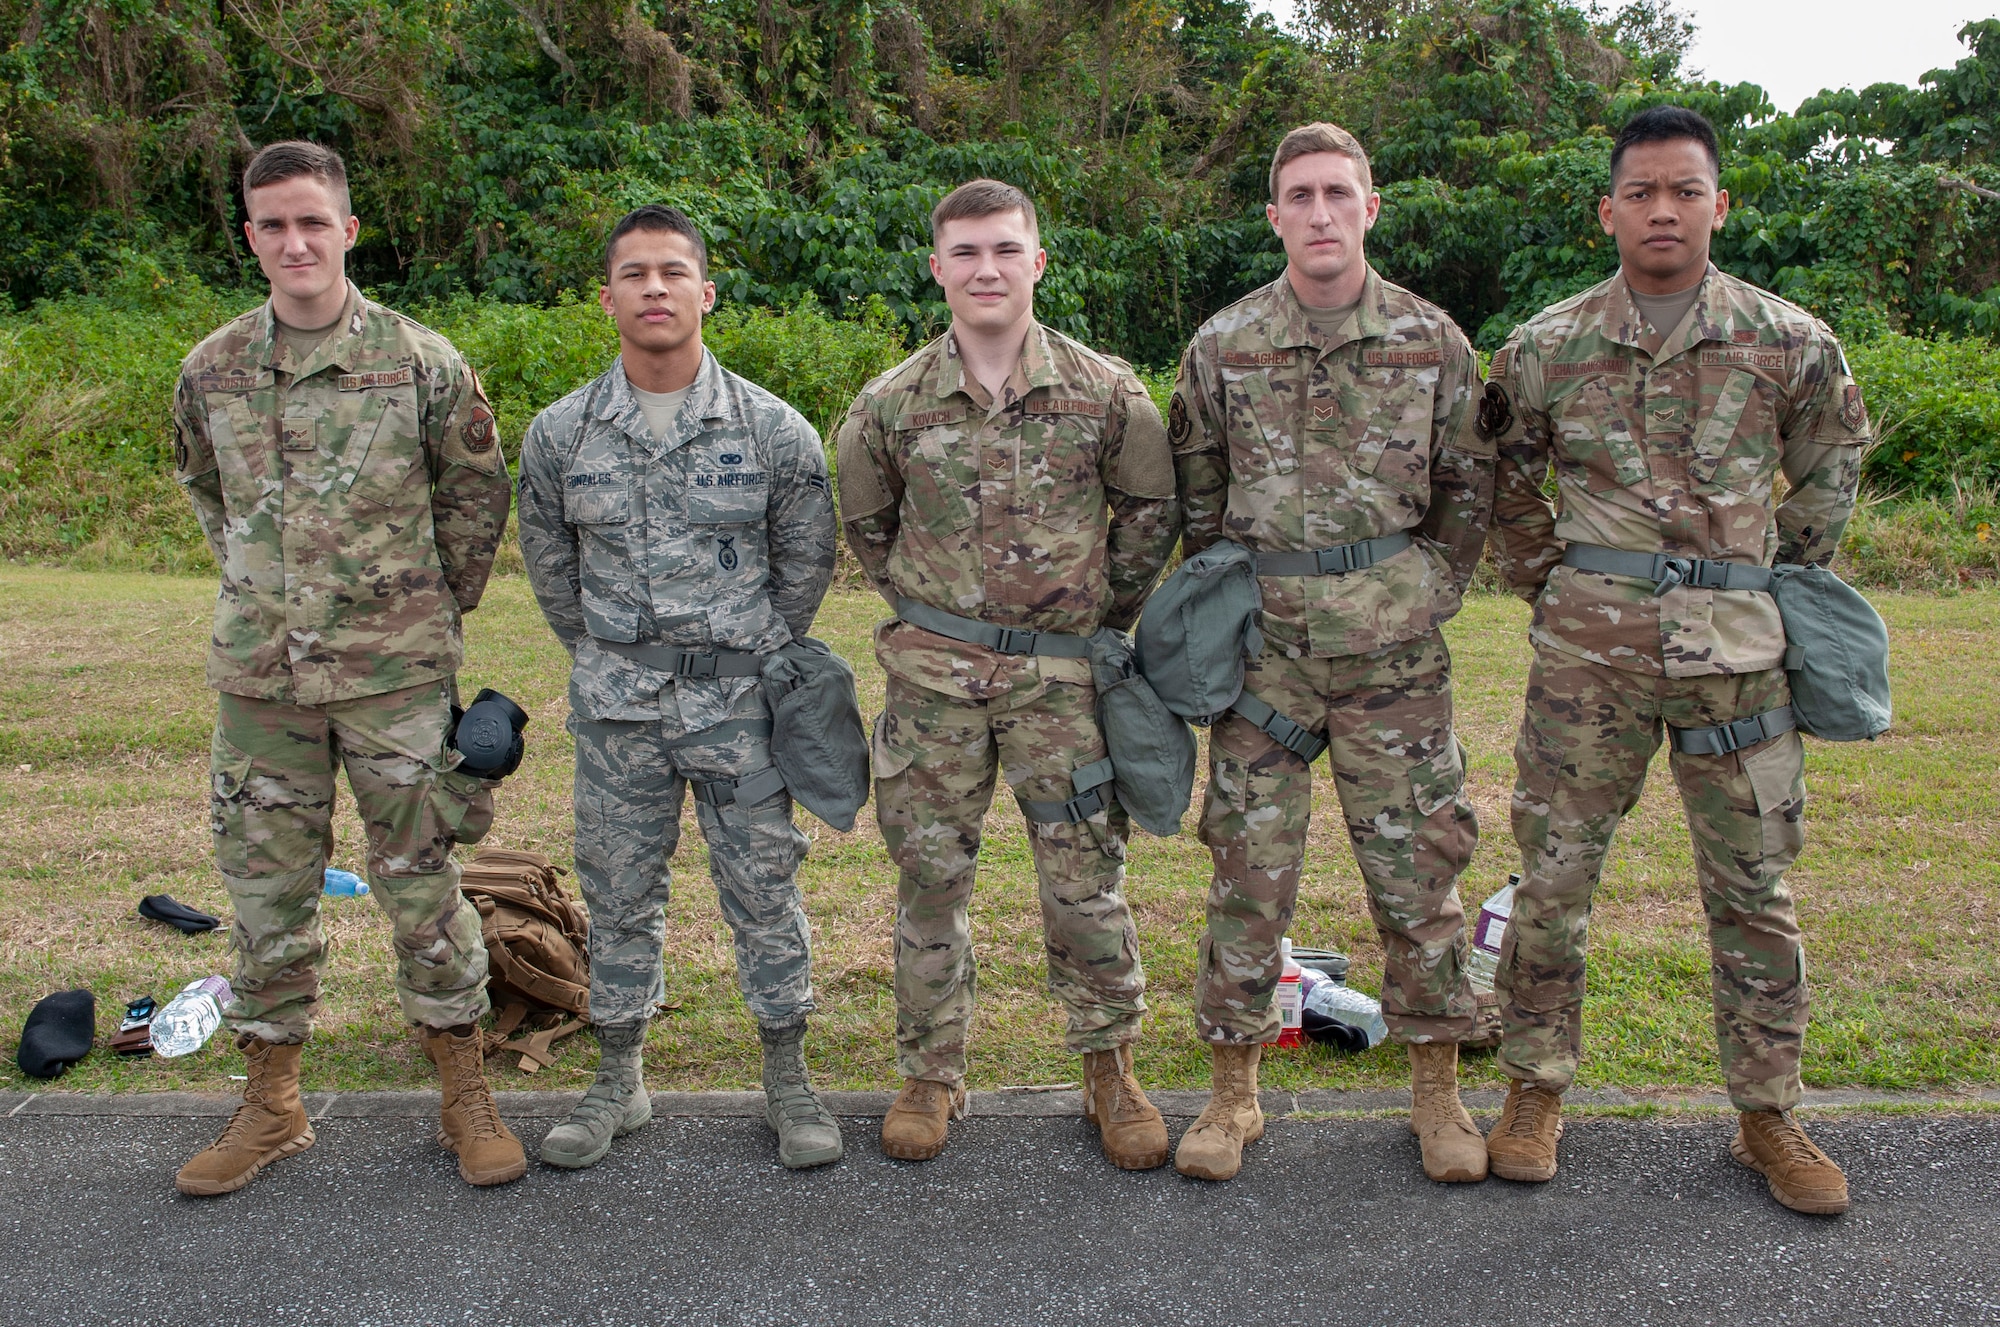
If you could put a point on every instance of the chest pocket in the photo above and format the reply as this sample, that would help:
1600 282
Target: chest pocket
934 480
606 508
372 436
1390 428
1593 422
1058 484
1735 448
1262 424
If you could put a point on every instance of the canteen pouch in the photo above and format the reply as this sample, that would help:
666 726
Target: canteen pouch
1836 655
817 739
1152 749
1198 628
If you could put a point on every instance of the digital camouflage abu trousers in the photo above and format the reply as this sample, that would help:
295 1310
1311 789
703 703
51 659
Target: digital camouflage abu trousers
273 767
1587 735
1400 774
935 763
630 779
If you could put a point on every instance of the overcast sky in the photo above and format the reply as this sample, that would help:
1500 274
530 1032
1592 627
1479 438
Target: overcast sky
1794 48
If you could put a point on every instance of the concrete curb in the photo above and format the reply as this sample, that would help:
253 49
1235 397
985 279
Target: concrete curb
1039 1103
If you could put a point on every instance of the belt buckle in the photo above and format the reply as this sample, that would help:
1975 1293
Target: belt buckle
1669 571
696 665
1015 641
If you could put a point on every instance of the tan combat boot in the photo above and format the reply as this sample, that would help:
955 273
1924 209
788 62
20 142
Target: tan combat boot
1522 1145
1454 1151
1212 1148
470 1123
1802 1177
270 1123
920 1118
1131 1129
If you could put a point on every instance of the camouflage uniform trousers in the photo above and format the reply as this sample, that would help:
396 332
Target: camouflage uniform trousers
272 767
630 779
1400 776
1587 735
936 758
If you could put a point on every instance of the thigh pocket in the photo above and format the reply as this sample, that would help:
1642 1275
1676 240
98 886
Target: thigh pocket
1777 774
1443 816
463 804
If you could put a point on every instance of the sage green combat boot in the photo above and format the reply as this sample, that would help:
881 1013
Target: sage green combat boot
808 1135
616 1103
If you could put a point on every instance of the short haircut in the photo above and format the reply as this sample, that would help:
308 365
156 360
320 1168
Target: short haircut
277 162
1664 124
660 218
982 198
1319 137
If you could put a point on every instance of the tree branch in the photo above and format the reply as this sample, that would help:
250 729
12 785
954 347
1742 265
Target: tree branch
542 38
1948 182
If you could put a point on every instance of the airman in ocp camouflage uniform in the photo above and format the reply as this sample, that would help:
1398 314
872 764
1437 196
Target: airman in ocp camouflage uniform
674 539
1338 445
1651 614
1005 528
351 485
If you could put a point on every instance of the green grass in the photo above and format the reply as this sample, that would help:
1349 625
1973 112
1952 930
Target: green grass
104 726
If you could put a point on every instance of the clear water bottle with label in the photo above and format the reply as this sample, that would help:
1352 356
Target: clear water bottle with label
1487 932
1290 999
190 1018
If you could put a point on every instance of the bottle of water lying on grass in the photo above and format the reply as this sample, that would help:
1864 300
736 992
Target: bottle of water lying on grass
344 884
1488 930
190 1018
1357 1009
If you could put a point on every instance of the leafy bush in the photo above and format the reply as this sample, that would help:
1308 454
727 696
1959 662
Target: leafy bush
1936 409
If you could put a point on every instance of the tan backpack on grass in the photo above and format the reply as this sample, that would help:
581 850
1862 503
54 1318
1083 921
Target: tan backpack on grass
537 952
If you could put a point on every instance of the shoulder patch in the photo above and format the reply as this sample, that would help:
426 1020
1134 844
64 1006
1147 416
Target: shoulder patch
1178 426
355 382
1259 359
1402 358
924 419
225 381
479 430
1495 414
1068 405
1746 356
1587 368
1852 413
1496 368
1744 336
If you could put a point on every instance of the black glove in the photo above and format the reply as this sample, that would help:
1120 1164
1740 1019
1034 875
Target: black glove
164 908
58 1033
1332 1032
488 735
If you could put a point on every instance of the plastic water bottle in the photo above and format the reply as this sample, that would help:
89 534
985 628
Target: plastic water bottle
190 1018
1344 1004
1290 999
344 884
1488 931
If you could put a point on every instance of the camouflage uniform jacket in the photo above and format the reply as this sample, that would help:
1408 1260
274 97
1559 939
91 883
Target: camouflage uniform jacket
1289 437
719 536
354 502
1670 445
1051 508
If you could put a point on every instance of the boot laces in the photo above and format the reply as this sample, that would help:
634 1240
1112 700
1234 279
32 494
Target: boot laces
256 1098
925 1094
1530 1105
1115 1088
475 1099
609 1091
797 1103
1786 1135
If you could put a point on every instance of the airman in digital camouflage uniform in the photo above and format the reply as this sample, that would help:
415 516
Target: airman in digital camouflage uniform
678 527
1325 422
1668 399
1010 493
345 468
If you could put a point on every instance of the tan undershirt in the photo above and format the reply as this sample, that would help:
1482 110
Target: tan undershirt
303 341
1326 319
1663 313
659 408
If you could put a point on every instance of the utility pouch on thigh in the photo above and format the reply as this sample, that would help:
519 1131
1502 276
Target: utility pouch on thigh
1836 655
1152 750
818 741
1198 628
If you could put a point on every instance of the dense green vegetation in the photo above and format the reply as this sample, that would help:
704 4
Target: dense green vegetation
492 141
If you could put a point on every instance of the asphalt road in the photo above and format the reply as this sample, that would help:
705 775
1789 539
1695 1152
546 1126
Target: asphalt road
1020 1221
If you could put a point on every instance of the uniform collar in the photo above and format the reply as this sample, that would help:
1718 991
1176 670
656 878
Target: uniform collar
342 348
620 405
1038 364
1712 317
1292 327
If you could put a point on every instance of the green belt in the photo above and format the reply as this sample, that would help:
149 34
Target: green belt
1093 794
682 662
1735 735
1288 733
746 791
1335 561
1666 570
1007 640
